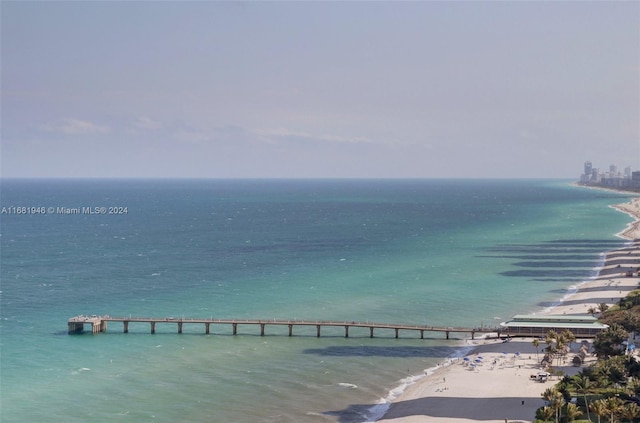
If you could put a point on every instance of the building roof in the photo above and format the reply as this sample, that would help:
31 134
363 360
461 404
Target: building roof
555 321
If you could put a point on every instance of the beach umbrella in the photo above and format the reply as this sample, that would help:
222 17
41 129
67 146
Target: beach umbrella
466 359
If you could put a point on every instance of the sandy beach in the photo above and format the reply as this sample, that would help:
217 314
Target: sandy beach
500 388
632 208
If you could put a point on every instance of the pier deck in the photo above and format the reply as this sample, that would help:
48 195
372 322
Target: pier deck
99 324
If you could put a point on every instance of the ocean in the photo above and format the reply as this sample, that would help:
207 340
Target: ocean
433 252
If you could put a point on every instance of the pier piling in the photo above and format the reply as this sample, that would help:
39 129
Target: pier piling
99 324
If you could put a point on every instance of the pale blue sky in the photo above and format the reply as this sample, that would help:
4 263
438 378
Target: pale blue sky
319 89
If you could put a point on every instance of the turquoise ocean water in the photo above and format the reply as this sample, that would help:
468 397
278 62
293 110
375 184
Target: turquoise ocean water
437 252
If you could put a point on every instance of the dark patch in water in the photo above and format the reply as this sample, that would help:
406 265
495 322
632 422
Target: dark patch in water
583 264
377 351
568 280
551 273
570 260
546 257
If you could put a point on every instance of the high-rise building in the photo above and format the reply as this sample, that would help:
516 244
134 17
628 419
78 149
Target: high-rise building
612 178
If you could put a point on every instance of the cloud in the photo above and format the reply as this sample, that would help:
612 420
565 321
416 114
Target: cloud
191 136
283 133
74 126
147 123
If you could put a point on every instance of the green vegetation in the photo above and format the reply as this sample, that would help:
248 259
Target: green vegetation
607 391
626 313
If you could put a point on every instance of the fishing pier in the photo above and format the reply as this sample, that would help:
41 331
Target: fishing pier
99 324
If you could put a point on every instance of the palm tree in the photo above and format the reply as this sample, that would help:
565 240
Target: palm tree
609 341
558 403
536 343
550 340
555 400
582 383
611 371
572 412
546 413
599 408
569 337
548 396
630 411
613 406
563 343
559 343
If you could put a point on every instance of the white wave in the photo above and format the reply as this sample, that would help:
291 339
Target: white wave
347 385
595 272
378 411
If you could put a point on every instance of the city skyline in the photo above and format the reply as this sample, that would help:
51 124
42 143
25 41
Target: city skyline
612 177
328 89
612 169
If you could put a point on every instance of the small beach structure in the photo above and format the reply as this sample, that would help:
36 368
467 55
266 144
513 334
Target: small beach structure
582 326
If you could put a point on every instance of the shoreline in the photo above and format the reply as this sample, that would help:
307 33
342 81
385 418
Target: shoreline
499 388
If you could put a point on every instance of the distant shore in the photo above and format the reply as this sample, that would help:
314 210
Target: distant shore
633 191
500 388
632 208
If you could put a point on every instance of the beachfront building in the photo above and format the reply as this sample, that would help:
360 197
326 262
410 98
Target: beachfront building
613 179
582 326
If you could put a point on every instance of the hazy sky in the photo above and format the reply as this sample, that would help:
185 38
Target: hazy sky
319 89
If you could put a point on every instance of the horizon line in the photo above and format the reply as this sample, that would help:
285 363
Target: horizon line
280 178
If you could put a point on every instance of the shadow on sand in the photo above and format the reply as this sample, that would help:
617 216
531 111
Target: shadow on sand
493 409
